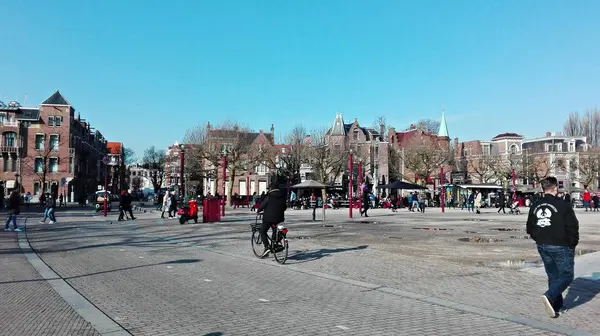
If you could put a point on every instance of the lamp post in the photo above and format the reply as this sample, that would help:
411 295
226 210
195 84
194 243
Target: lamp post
181 172
360 182
17 184
350 186
224 166
442 190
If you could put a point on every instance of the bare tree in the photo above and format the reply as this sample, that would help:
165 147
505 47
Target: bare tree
154 160
481 167
288 159
394 164
588 167
587 125
46 158
429 125
327 163
128 156
537 164
236 143
381 124
503 165
424 155
195 168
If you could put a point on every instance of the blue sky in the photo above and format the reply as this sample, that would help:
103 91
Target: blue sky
143 71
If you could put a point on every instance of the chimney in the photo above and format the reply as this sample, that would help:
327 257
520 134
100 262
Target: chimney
422 126
382 130
412 126
548 134
455 142
208 125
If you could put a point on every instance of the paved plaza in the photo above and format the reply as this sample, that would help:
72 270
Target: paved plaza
389 274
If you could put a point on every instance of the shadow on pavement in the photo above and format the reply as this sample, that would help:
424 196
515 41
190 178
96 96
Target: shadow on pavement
301 257
582 291
214 334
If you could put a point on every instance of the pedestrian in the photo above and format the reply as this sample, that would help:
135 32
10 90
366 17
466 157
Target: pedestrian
421 198
587 198
173 206
50 204
477 202
552 224
60 200
125 205
27 199
165 204
366 202
502 201
14 203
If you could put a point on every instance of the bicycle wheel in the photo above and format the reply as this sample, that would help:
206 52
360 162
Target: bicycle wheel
257 245
281 251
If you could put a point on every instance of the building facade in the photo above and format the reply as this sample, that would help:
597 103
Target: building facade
367 146
50 149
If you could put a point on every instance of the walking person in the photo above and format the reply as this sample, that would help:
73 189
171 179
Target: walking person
366 198
552 224
125 205
60 200
172 206
477 202
49 210
422 198
502 201
14 203
166 202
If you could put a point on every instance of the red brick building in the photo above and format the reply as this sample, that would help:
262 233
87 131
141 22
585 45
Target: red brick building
49 148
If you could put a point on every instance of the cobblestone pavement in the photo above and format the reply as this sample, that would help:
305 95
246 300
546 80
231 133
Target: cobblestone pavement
29 306
156 277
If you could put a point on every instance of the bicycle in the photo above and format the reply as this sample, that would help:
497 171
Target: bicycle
278 243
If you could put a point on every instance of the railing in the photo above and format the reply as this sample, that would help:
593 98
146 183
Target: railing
9 149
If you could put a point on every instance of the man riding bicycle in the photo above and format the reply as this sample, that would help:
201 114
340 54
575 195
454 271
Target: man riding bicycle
272 209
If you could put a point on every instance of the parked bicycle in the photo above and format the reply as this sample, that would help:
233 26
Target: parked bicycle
278 243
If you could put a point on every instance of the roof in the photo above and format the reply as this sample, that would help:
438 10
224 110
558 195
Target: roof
114 148
56 99
230 134
24 113
339 128
507 135
443 132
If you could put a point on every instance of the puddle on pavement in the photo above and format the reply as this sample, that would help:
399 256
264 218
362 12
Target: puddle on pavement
431 229
514 264
397 237
368 222
506 229
480 240
581 252
519 237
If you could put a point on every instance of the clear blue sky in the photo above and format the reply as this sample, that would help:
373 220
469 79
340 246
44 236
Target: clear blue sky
143 71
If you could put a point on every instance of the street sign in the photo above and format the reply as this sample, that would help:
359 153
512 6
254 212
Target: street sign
105 160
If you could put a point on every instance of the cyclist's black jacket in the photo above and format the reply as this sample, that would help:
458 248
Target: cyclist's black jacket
274 206
552 221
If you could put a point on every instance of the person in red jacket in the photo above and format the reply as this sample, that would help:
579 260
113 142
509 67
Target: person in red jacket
587 198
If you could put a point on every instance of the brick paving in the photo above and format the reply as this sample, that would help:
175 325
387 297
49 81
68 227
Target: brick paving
29 306
154 286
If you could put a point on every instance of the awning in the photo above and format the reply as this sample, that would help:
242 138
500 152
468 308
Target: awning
10 184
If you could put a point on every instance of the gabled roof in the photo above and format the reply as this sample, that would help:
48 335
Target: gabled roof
339 128
508 136
56 99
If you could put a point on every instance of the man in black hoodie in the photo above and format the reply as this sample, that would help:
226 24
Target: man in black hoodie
273 207
555 229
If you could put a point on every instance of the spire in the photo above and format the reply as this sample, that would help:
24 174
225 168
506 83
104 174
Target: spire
443 132
338 125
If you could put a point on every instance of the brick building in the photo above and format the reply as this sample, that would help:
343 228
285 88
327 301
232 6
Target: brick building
418 138
367 145
48 148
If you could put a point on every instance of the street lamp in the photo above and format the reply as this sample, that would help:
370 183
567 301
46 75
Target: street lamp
224 167
181 171
350 186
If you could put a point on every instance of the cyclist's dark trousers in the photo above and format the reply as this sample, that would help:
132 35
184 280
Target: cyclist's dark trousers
264 233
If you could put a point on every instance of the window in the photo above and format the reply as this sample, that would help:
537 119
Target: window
9 139
71 164
39 165
547 147
355 134
559 147
13 166
514 149
54 142
36 188
50 121
572 146
57 121
39 141
53 166
561 184
5 161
